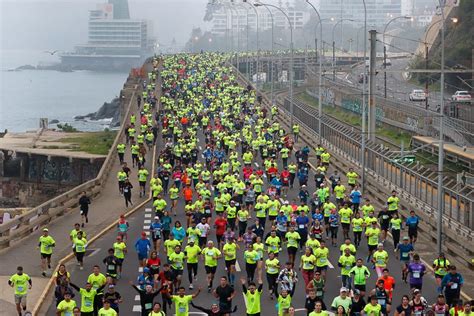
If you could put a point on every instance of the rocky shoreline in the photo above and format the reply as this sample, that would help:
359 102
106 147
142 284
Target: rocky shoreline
109 110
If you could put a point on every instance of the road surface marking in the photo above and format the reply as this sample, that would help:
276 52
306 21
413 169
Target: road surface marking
137 297
237 266
147 209
330 265
137 308
147 215
146 227
147 221
140 269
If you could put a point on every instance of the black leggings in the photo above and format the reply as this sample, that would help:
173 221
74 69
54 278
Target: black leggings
272 283
166 301
242 228
357 238
396 237
250 269
192 268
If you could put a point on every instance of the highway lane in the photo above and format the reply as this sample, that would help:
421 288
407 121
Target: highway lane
140 221
398 87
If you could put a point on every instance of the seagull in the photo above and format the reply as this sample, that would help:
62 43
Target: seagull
51 53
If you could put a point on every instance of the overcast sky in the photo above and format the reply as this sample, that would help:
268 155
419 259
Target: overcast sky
61 24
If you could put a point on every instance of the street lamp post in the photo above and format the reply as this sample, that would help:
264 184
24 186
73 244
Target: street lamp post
364 108
291 57
258 50
320 99
334 47
271 58
440 188
385 50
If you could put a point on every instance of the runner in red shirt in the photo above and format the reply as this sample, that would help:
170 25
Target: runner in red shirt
220 225
389 282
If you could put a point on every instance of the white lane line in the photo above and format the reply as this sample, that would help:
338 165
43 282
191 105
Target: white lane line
146 227
140 269
330 265
237 266
147 215
147 221
147 233
200 148
137 297
147 210
137 308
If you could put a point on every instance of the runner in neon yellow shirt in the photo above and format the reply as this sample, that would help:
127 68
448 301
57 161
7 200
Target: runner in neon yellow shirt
21 282
253 297
66 306
46 245
211 254
181 301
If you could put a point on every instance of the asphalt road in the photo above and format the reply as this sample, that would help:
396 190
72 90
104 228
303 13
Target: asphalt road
140 221
398 88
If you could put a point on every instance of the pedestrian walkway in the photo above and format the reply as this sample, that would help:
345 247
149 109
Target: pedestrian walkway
103 210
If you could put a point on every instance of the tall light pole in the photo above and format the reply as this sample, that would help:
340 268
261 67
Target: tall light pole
364 108
291 58
258 50
231 7
271 58
320 99
385 50
334 47
441 139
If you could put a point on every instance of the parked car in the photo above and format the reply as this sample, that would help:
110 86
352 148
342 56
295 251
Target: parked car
461 96
418 95
360 78
387 62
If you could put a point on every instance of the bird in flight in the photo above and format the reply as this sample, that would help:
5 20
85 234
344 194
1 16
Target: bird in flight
51 53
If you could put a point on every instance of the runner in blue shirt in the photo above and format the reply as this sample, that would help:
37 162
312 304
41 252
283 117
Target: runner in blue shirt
404 251
412 223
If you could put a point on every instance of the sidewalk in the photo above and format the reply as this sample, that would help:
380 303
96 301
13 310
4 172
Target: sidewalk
104 209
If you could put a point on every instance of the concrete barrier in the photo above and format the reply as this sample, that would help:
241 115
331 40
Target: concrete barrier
25 224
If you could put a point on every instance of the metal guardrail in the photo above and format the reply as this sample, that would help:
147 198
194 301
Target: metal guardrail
27 223
413 178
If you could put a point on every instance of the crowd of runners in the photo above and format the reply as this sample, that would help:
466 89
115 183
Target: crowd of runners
247 191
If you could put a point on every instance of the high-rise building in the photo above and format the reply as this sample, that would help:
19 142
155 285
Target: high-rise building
121 11
223 20
114 40
378 11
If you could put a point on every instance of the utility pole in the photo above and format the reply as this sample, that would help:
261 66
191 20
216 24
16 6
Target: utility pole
385 73
371 127
334 60
426 79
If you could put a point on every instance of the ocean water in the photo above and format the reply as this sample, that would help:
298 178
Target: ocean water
28 95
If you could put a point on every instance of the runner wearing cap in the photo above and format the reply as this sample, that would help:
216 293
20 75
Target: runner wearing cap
342 300
156 232
192 252
46 245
